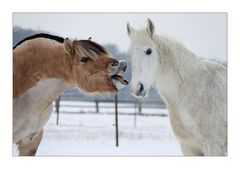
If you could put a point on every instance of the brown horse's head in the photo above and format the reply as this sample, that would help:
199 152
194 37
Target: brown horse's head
94 69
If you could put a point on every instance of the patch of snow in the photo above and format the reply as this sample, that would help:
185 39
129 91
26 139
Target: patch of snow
94 135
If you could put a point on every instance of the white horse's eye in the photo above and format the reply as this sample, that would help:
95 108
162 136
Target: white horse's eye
148 51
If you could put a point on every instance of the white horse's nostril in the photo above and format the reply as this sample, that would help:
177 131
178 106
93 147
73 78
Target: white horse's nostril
141 88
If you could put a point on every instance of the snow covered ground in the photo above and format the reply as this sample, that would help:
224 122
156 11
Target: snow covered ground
91 134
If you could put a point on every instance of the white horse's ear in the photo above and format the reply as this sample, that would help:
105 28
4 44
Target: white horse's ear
150 27
129 29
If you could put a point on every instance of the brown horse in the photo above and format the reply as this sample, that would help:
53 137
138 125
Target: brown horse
43 67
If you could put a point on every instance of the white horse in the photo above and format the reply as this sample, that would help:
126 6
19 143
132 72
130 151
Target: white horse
193 89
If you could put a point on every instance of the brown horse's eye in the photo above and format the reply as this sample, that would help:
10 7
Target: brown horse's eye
85 60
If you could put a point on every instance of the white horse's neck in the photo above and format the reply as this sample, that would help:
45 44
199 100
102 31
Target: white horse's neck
176 65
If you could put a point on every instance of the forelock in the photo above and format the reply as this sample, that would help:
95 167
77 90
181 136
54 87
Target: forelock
89 48
141 36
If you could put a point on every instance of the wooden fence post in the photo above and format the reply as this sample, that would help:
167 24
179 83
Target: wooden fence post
116 118
135 114
139 106
57 104
97 107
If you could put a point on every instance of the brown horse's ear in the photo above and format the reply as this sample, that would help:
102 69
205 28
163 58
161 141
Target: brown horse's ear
69 46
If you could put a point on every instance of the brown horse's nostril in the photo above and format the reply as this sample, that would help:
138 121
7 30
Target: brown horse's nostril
115 63
125 82
124 68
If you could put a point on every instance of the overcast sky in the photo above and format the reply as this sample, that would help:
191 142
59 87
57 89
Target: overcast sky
204 34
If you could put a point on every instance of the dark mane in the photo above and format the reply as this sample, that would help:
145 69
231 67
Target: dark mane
41 35
91 46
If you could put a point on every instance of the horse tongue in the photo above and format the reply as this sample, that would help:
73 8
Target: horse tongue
120 79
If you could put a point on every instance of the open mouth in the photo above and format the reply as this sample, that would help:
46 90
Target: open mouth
120 79
119 75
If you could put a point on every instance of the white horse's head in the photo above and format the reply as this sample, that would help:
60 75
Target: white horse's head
144 58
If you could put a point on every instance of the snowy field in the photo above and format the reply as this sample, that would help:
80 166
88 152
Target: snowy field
91 134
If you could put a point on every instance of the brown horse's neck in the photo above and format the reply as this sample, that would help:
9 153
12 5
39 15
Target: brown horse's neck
39 60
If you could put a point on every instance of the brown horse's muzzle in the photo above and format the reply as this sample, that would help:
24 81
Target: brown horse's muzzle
117 73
